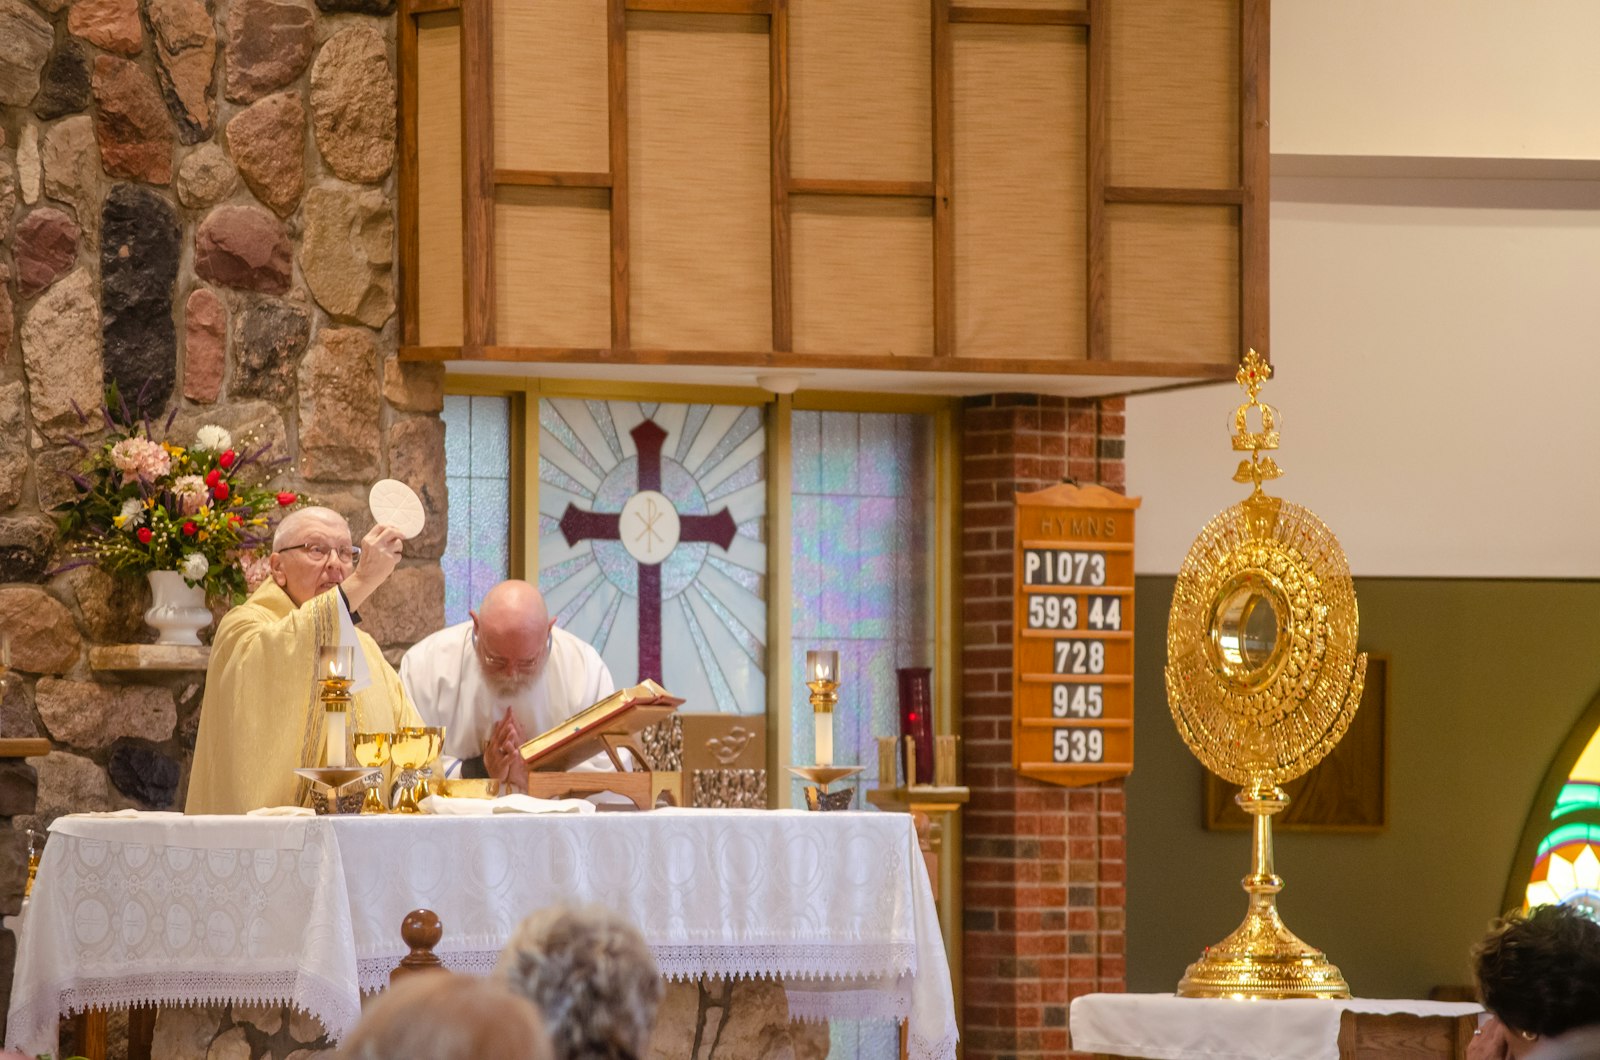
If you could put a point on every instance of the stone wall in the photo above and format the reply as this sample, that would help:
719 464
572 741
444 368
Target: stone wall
196 202
1044 867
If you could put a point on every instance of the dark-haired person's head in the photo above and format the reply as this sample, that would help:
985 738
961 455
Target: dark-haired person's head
1539 974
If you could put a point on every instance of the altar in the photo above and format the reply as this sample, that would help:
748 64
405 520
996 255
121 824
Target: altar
137 909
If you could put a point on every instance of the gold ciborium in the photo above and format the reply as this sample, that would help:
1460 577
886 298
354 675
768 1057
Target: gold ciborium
411 748
371 749
1263 678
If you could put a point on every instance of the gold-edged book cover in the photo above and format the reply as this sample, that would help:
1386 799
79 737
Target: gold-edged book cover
622 713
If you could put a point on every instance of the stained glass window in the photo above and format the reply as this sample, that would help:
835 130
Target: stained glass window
1566 868
477 444
862 548
652 542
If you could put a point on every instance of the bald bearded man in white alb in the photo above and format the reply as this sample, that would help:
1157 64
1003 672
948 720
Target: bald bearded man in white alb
501 678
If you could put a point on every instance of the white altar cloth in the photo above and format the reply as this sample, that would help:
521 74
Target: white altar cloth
167 909
1176 1028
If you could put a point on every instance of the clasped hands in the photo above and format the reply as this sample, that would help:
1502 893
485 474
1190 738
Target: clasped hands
502 753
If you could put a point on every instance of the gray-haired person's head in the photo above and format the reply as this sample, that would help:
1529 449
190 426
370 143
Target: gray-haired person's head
593 978
444 1016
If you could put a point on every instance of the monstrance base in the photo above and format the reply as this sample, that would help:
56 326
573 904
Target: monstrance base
1263 960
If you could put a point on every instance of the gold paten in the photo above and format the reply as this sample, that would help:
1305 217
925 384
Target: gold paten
1263 678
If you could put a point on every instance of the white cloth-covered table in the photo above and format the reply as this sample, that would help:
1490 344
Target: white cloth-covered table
166 909
1171 1028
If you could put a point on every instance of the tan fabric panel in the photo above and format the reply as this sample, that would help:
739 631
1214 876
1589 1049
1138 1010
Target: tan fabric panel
1018 196
863 276
699 167
552 267
550 85
1174 93
439 291
1173 283
1045 5
860 90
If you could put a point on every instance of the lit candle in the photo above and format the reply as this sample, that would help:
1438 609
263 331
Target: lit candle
333 730
822 666
824 737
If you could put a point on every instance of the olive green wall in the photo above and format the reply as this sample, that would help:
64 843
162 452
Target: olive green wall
1486 680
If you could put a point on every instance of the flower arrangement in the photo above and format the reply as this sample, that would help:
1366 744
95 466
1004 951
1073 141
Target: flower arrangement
145 505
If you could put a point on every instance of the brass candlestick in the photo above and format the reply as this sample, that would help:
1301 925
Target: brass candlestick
335 669
822 677
1263 678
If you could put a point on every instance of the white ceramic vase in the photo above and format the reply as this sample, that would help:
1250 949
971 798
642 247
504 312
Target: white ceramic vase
179 611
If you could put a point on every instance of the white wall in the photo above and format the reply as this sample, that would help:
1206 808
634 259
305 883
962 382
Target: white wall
1437 339
1466 78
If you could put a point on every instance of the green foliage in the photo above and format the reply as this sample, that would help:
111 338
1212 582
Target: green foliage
199 508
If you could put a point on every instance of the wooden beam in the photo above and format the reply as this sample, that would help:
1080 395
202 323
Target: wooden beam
1255 174
429 7
778 95
704 7
1176 196
1096 153
410 240
944 239
551 178
1021 16
891 189
477 171
617 114
780 359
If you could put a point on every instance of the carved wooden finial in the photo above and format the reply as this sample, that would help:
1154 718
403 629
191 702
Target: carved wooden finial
421 931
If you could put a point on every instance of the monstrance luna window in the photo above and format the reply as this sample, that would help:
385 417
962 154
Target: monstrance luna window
652 542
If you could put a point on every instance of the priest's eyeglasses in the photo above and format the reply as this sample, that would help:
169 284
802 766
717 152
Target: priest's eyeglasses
349 555
513 668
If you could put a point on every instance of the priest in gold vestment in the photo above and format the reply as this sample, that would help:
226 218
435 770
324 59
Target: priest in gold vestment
261 718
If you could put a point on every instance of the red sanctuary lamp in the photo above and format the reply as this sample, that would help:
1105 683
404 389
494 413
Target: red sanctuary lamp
916 718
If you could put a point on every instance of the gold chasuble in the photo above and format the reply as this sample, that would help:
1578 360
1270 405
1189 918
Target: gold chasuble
261 718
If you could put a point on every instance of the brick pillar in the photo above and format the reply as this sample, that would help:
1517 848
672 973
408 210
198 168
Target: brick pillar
1043 866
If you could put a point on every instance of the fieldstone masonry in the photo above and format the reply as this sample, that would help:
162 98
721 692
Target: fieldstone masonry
196 201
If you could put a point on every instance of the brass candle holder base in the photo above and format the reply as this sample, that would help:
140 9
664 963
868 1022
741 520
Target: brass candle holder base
337 789
818 797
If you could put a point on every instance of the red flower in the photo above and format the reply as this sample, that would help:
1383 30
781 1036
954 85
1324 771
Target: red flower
213 477
189 529
220 491
145 535
227 458
233 518
286 498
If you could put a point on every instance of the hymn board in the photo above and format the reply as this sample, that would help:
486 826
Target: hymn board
1072 638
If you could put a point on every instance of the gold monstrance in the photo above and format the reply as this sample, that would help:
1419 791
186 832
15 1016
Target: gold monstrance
1263 678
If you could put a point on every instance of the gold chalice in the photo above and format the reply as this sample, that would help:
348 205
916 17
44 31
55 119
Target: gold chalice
410 748
435 735
371 749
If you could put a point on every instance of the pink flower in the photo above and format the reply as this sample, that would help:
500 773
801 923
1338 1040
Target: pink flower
140 458
191 493
256 569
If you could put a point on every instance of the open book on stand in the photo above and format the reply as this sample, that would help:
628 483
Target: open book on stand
612 723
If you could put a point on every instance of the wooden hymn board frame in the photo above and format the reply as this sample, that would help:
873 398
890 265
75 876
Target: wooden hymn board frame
1072 635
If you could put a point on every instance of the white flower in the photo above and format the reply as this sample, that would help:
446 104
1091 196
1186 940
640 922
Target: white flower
130 510
213 438
194 567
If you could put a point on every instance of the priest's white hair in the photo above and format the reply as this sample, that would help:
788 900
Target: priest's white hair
295 522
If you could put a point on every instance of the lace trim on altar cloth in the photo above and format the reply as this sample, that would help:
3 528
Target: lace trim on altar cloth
333 1007
890 1003
823 962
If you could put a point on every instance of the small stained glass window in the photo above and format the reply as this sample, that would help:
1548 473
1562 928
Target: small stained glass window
477 445
1566 868
862 553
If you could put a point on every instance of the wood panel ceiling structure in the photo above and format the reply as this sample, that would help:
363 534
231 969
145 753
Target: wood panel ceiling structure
1068 197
